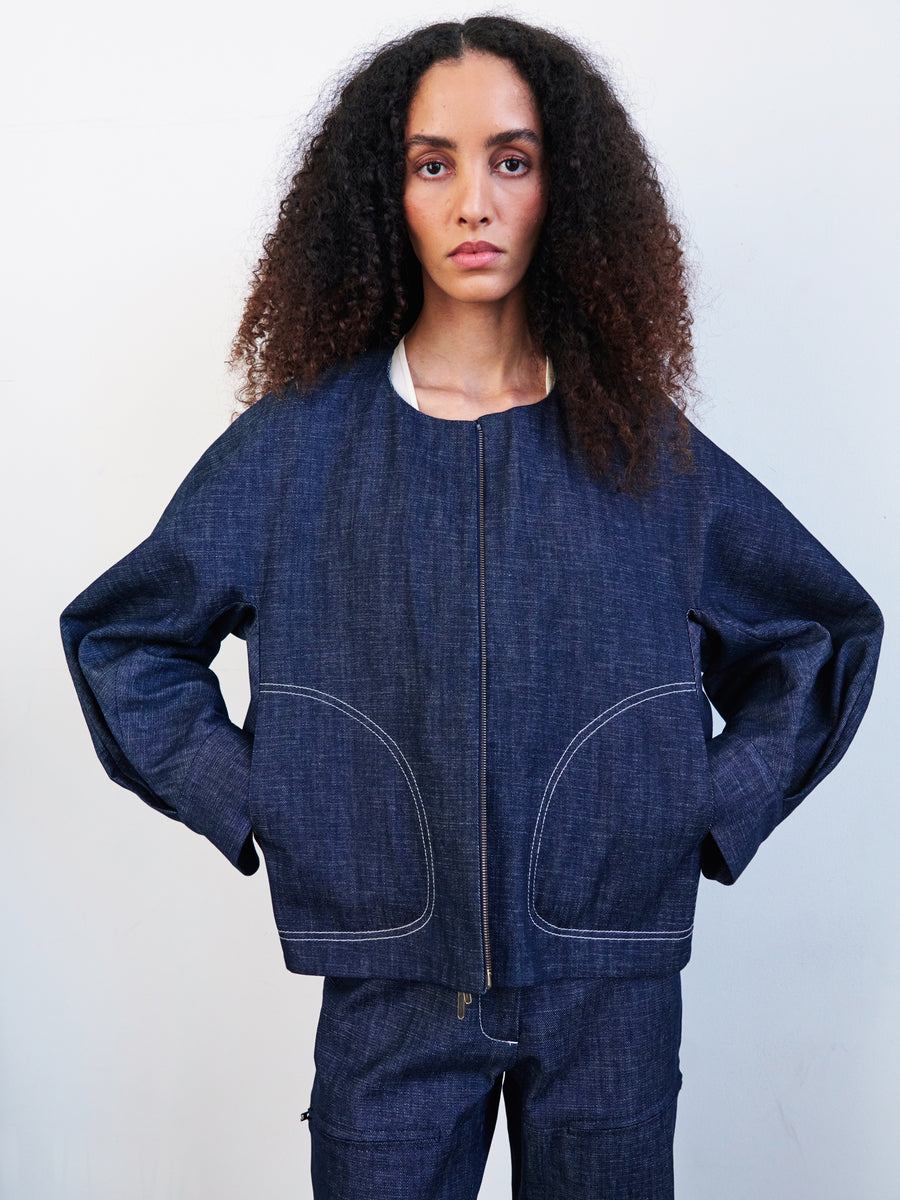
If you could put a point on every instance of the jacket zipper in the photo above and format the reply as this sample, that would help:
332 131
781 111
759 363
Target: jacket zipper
483 765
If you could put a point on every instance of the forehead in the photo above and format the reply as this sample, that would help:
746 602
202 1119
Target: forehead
475 92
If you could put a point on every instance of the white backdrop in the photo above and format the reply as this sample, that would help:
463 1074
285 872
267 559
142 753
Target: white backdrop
154 1047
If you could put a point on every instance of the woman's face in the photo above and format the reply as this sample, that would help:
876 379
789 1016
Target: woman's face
476 186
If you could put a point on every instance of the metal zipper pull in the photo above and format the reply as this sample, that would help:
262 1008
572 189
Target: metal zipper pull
462 999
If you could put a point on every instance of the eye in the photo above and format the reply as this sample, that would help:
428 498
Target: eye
512 166
433 169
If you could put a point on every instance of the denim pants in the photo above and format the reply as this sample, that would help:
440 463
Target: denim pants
409 1076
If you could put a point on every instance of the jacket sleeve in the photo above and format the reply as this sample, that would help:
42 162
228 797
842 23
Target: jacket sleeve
139 643
788 647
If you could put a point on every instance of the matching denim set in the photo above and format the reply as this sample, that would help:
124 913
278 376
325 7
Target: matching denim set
478 753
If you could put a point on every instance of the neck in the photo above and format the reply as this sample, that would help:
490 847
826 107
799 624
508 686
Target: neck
474 352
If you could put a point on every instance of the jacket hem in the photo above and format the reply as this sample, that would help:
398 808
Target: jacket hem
562 959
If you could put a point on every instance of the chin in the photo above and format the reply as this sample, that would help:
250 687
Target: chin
479 290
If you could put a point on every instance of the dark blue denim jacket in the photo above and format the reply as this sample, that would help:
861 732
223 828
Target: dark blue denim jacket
479 744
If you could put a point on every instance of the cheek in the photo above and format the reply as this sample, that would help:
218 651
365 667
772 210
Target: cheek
420 221
410 216
531 212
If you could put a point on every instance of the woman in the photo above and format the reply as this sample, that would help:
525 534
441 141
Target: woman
484 611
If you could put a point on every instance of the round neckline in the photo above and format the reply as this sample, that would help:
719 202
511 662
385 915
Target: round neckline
418 412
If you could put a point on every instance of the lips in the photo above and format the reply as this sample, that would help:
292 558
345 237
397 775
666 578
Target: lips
475 248
475 254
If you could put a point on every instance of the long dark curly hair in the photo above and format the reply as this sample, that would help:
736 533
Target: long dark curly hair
607 287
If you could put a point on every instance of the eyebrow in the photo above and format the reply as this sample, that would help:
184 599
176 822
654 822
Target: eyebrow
496 139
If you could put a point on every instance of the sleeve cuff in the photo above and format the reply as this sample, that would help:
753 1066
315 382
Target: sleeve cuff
215 798
748 806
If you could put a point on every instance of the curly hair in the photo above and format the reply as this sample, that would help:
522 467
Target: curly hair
606 291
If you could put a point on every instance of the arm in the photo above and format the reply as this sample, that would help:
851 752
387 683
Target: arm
139 643
788 645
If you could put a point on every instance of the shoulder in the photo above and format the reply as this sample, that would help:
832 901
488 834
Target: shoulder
722 481
749 534
276 433
713 506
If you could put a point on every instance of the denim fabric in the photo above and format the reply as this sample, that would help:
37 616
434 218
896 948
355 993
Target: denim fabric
406 1093
479 740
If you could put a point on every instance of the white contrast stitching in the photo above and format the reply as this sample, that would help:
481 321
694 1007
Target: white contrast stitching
359 935
502 1041
614 935
592 727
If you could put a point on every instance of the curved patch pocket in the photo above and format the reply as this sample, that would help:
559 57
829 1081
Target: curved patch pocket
621 820
338 813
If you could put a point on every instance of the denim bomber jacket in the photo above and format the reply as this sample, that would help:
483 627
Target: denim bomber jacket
479 746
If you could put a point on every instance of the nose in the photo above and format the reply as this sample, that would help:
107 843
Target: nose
473 201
